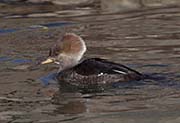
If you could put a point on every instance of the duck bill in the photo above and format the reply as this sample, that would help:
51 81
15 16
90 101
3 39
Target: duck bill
47 61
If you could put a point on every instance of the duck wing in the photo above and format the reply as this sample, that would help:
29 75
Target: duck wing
95 66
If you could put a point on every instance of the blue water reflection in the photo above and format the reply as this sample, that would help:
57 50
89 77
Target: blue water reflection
48 79
13 60
4 58
2 31
20 61
44 26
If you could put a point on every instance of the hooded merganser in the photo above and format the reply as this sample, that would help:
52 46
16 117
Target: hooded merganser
88 73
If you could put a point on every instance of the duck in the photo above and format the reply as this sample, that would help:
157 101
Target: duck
86 74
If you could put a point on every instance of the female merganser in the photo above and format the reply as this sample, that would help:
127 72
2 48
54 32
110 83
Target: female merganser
87 74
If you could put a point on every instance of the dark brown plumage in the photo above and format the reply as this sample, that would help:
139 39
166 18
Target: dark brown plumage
95 74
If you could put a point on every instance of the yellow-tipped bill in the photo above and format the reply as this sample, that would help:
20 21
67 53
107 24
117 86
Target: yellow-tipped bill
47 61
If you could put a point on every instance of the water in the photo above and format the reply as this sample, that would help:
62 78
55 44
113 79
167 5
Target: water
146 40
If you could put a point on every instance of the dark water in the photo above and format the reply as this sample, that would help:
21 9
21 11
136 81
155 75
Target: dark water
146 40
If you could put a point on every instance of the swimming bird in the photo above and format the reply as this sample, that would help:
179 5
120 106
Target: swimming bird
91 73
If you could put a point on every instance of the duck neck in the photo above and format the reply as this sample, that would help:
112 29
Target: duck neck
67 62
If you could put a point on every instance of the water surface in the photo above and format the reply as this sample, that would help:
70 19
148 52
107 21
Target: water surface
146 40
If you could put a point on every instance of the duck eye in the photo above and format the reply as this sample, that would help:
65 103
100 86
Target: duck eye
50 52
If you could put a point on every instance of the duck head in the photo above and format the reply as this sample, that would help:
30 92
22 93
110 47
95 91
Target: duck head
67 52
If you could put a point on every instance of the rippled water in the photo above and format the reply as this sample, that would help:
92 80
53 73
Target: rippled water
146 40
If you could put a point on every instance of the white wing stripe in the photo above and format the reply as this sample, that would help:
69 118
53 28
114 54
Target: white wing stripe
119 71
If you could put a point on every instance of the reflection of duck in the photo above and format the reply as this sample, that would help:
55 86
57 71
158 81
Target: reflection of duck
93 72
